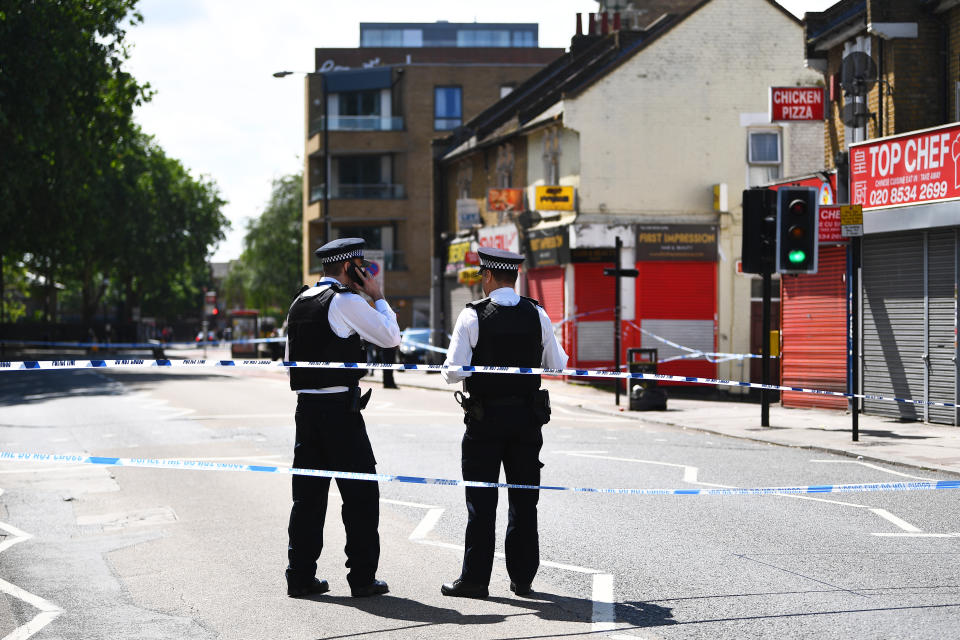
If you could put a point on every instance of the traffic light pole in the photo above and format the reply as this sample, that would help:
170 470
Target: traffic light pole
855 337
765 350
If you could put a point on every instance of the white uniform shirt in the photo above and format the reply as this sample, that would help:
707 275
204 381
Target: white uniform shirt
350 314
467 331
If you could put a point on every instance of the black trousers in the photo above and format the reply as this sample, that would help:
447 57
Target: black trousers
330 437
508 436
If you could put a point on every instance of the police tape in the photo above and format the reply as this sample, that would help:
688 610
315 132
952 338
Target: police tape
37 365
137 345
202 465
710 356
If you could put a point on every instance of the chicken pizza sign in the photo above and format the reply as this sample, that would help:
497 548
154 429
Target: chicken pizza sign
914 168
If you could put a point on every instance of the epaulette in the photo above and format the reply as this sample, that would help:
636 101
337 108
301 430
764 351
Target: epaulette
533 300
478 303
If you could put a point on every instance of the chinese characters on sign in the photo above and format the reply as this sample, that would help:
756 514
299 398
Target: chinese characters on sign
907 169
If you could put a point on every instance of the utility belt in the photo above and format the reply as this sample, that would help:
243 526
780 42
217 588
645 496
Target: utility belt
354 400
476 406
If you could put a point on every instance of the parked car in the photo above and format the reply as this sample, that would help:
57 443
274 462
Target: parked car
413 347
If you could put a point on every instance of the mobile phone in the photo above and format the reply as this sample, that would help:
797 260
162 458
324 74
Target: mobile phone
355 274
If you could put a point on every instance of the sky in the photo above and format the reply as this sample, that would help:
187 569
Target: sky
218 109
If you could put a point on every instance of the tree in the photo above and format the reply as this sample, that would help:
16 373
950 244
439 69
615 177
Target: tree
65 102
269 266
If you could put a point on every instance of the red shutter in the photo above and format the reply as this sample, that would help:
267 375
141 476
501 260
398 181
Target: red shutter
680 300
591 337
546 285
814 332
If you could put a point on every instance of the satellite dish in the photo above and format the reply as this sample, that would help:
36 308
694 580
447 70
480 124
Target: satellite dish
858 74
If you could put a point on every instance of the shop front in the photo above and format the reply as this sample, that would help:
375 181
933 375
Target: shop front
813 312
909 186
676 297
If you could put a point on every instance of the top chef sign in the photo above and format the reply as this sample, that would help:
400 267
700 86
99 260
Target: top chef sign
912 168
796 103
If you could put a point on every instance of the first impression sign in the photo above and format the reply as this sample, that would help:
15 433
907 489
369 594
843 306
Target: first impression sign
796 104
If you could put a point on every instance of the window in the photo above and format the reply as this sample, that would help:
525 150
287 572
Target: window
505 163
359 170
378 237
764 147
359 103
447 108
763 156
523 39
483 38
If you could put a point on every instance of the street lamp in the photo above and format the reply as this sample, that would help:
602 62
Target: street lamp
327 227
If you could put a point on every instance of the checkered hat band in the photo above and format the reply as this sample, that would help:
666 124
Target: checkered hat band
356 253
491 264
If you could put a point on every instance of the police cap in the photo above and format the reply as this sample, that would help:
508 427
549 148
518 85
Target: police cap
341 249
500 259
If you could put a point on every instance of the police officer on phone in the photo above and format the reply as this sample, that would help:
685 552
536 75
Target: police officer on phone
326 323
504 416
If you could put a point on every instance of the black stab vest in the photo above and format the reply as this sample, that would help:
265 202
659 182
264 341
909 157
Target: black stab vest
312 340
508 336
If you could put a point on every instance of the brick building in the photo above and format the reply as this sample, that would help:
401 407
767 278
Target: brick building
386 100
893 80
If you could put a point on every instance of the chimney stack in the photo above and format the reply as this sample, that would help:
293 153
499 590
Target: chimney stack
604 23
579 25
591 24
616 21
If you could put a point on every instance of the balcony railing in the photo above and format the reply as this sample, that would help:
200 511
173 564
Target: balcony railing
358 123
360 192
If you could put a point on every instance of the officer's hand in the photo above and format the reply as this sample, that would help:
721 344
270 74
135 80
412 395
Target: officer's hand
369 286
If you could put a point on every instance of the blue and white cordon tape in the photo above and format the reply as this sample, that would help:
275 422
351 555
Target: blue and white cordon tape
200 465
37 365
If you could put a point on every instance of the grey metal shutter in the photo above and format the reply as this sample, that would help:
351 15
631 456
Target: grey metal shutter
893 323
941 325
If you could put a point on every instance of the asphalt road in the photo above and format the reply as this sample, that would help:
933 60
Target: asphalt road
96 552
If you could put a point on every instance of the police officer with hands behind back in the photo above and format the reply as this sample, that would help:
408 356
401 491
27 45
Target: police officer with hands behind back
326 323
504 416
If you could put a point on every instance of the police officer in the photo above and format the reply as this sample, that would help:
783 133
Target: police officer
504 414
326 323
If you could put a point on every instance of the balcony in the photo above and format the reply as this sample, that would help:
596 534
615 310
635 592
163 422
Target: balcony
360 192
358 123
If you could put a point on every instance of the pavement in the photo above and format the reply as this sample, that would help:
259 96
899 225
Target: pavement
881 439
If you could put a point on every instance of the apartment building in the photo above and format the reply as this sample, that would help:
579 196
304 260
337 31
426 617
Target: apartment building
371 113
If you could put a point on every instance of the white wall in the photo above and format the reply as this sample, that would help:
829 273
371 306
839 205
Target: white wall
661 129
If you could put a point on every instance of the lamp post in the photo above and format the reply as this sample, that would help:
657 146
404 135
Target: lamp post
327 226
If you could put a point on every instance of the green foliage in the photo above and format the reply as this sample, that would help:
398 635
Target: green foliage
16 288
267 275
86 199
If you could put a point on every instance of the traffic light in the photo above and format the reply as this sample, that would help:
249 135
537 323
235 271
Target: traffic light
798 219
759 232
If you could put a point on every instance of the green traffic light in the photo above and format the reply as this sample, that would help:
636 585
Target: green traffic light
797 256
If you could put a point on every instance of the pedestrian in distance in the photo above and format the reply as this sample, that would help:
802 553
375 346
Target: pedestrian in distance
504 414
326 323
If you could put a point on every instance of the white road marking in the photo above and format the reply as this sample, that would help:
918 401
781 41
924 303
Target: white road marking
886 515
48 611
874 466
917 535
690 473
603 617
